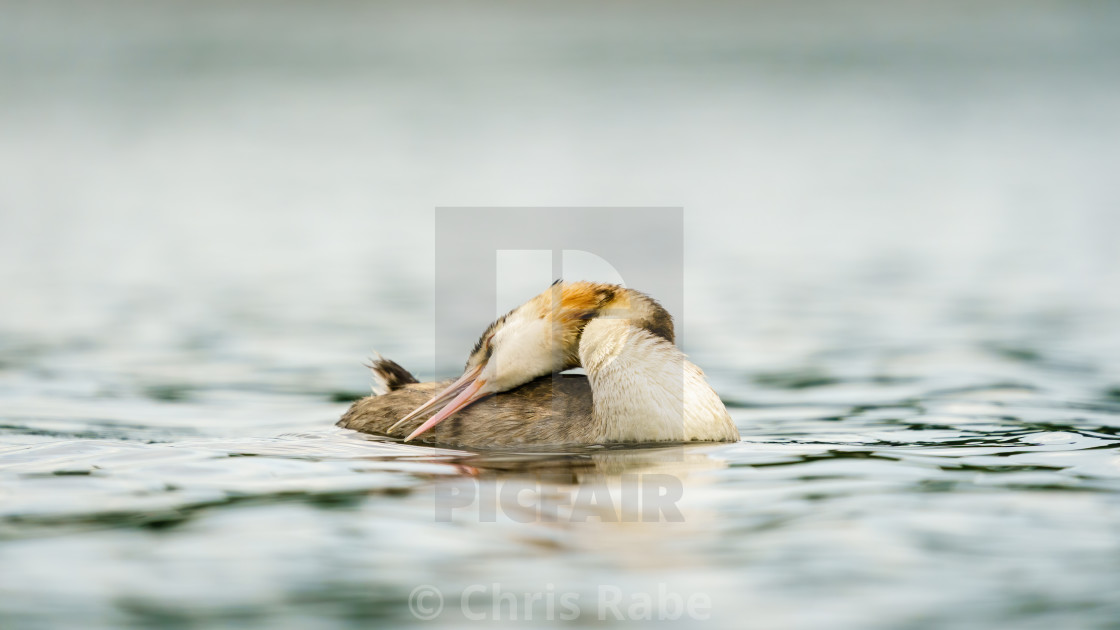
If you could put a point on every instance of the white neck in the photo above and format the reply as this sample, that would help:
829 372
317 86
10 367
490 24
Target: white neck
645 390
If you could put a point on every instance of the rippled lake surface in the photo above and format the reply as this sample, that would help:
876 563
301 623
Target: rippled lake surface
901 274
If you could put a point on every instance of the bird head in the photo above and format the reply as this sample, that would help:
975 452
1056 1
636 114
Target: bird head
538 338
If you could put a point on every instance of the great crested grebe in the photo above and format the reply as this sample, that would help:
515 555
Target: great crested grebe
639 387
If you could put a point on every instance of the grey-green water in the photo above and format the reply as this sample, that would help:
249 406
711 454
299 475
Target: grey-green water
901 274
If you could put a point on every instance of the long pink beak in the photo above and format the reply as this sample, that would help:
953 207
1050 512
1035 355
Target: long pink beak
465 397
462 392
441 397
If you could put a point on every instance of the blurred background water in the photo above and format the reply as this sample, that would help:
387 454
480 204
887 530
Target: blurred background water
901 260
